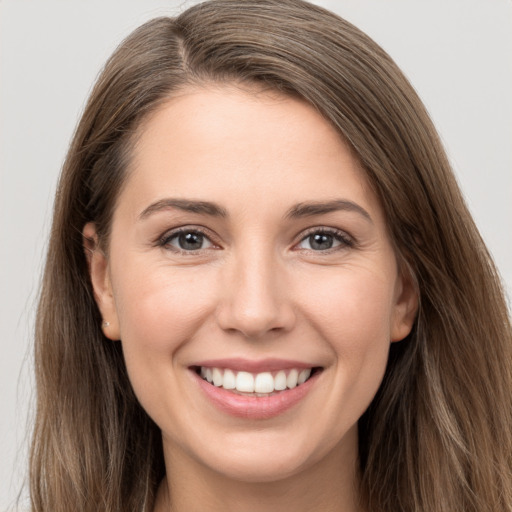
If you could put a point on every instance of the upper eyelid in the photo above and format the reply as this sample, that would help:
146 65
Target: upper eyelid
325 229
185 228
171 233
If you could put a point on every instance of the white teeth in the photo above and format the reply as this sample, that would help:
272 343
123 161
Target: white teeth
303 376
245 382
217 377
229 380
262 384
291 380
280 381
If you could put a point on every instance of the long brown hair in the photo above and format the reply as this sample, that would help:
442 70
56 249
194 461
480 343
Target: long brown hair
437 436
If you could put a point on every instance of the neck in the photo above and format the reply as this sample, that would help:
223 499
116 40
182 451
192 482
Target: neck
329 485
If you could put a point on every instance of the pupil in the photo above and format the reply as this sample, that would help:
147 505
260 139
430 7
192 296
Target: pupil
320 241
191 241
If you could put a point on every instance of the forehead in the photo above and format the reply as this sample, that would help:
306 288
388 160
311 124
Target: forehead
235 144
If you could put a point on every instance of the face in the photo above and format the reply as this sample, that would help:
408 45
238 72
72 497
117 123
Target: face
252 283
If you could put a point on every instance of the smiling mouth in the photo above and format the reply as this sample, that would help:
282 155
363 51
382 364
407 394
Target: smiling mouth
262 384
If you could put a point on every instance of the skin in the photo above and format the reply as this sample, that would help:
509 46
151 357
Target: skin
256 288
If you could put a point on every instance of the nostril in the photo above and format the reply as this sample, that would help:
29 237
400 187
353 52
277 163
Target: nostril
255 314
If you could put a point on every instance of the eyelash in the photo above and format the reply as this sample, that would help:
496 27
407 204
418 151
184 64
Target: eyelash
164 240
345 240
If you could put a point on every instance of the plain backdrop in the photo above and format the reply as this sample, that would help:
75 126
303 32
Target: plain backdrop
457 54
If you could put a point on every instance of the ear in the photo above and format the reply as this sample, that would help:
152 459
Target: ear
101 282
406 305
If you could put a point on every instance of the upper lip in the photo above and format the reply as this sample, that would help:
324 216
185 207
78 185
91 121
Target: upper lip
253 366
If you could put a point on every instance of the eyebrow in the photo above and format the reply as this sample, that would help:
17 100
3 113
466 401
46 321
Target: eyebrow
186 205
300 210
311 209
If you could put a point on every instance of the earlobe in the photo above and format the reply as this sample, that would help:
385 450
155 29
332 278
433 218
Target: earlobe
406 306
97 263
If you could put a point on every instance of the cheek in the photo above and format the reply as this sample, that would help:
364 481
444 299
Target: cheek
353 313
159 309
353 308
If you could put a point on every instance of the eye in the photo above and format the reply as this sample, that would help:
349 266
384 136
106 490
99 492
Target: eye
323 240
187 240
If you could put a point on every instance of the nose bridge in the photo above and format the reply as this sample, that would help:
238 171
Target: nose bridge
255 299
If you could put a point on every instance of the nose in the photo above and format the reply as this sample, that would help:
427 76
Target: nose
256 300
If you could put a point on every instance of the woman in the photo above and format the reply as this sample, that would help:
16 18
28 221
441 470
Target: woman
263 288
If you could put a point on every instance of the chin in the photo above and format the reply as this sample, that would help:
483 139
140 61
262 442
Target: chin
263 457
262 469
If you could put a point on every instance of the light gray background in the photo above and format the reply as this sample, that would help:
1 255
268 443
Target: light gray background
457 53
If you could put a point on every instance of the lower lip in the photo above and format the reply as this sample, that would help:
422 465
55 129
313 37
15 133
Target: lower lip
253 407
